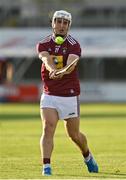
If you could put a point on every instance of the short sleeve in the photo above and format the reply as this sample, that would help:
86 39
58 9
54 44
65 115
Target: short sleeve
75 49
41 47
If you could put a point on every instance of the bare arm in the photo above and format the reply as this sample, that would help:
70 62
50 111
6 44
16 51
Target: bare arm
71 58
70 66
45 57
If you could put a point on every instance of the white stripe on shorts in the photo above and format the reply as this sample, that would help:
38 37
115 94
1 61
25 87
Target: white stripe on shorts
67 107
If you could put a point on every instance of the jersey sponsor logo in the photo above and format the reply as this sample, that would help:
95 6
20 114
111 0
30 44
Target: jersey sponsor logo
58 61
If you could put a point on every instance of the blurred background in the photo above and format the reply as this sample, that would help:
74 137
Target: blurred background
98 25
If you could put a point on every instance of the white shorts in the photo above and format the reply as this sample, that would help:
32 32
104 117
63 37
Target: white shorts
67 107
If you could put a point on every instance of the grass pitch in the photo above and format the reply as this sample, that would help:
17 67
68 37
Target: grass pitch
20 130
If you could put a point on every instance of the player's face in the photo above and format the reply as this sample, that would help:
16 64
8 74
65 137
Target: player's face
61 26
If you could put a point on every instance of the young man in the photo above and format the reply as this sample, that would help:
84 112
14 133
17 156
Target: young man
60 92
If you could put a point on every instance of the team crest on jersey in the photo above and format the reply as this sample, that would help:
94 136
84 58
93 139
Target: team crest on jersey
64 50
57 49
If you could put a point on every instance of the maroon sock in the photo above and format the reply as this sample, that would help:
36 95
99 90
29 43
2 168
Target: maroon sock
46 160
86 154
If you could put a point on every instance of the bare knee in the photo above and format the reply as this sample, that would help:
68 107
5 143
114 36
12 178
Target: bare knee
48 130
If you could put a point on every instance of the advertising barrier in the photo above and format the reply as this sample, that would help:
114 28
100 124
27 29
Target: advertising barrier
19 93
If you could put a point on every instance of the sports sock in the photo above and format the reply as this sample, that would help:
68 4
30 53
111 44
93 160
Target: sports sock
46 160
87 156
46 165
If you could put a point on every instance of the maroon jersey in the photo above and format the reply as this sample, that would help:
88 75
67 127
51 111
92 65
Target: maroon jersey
69 84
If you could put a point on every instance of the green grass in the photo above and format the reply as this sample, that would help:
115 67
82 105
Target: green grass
20 130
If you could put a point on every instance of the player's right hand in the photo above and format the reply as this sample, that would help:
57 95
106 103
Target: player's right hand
52 75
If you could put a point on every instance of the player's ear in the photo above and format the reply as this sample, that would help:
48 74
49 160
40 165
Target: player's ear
53 25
